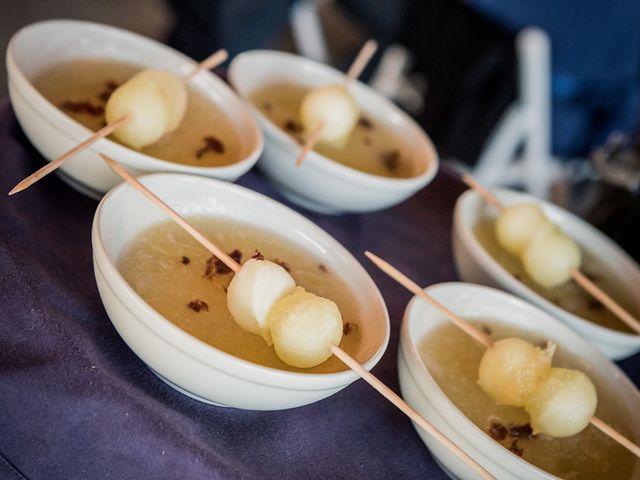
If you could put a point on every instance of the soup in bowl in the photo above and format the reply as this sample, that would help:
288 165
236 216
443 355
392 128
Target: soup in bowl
166 295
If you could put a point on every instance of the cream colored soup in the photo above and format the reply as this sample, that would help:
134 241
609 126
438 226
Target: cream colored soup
173 273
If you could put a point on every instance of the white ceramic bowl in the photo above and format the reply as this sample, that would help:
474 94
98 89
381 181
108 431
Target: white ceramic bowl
475 265
39 46
321 184
188 364
422 392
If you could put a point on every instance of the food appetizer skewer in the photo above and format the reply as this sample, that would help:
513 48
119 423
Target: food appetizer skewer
300 325
548 256
329 113
138 113
560 401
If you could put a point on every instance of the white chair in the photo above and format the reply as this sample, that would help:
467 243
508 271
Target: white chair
519 149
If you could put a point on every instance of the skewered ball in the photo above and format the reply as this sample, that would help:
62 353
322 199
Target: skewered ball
253 291
549 259
518 224
303 328
154 100
172 90
334 108
563 403
511 369
148 115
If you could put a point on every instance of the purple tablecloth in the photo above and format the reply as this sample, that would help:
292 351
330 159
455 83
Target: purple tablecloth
76 403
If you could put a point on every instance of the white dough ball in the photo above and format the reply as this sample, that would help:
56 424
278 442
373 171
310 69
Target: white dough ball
148 112
563 403
511 369
517 224
334 108
549 259
254 290
303 328
172 90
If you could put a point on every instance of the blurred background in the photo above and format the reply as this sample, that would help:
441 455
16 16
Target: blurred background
541 95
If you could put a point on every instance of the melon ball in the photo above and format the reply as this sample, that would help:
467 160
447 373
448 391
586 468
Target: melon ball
303 328
254 290
511 369
517 224
147 110
563 403
334 108
172 90
549 259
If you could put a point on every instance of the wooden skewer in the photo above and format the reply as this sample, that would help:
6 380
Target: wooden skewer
362 59
359 63
341 354
615 435
51 166
207 64
414 288
488 197
613 306
580 278
468 328
175 216
309 144
404 407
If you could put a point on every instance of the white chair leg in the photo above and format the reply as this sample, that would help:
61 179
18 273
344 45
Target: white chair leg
526 122
535 96
306 28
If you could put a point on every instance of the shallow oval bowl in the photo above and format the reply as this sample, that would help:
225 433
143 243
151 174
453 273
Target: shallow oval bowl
188 364
476 265
423 393
322 184
39 46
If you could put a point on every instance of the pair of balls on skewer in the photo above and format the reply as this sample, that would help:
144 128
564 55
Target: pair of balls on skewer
547 255
154 101
560 401
263 299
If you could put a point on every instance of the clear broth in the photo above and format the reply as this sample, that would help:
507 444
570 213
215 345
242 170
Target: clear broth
371 147
90 82
452 358
570 296
154 266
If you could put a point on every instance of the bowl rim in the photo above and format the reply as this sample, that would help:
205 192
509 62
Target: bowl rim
409 347
497 271
320 161
209 354
127 155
